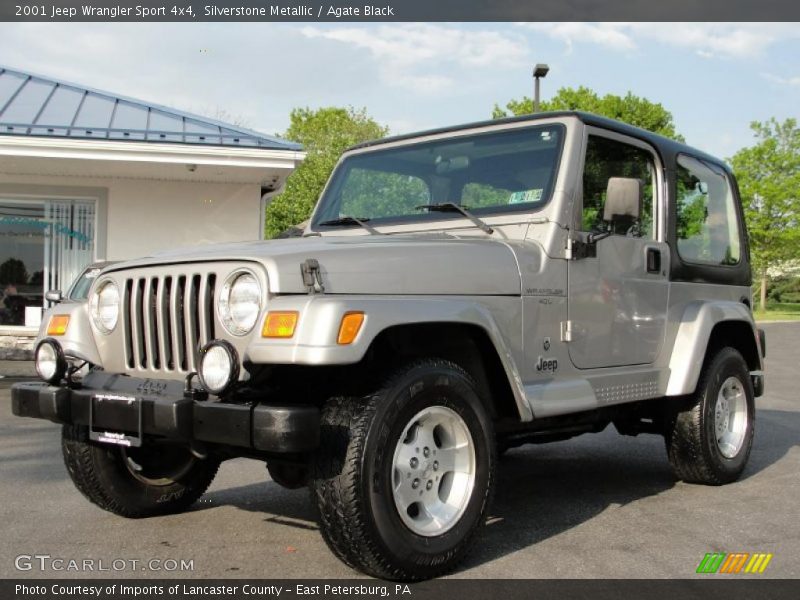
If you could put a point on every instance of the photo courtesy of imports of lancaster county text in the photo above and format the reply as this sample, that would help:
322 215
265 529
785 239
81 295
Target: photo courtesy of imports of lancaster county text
388 300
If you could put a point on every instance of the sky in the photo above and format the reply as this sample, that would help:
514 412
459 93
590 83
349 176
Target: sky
715 78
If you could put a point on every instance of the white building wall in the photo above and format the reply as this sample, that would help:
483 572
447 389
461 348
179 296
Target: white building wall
145 216
137 217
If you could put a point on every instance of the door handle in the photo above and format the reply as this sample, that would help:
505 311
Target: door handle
653 260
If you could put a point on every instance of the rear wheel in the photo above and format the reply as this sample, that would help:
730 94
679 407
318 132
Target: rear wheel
403 477
135 482
709 441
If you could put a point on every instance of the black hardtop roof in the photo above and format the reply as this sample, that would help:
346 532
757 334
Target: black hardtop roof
664 145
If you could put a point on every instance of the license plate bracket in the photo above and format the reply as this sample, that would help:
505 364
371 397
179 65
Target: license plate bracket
118 438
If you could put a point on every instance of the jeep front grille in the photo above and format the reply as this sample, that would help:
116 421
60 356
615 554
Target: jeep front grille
167 319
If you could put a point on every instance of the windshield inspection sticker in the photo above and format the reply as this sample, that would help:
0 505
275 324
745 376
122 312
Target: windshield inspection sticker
526 196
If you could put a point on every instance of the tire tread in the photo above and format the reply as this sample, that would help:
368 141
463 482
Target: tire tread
336 485
690 460
80 459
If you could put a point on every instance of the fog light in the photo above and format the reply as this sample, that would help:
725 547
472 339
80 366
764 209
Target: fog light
219 366
51 365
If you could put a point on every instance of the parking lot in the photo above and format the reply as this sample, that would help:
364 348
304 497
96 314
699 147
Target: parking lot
596 506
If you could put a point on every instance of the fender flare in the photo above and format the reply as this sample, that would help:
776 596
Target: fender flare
692 339
315 341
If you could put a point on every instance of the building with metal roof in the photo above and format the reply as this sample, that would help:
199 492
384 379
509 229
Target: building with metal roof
33 105
88 175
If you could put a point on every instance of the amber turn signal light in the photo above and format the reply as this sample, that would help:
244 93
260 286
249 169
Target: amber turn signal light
351 325
58 325
280 324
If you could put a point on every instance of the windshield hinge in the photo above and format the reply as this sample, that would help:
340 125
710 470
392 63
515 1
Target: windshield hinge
312 276
583 246
566 331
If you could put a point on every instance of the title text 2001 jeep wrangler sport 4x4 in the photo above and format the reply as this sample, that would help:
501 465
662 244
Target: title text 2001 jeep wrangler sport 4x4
456 293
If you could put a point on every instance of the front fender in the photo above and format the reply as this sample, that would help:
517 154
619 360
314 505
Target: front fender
691 341
78 341
315 339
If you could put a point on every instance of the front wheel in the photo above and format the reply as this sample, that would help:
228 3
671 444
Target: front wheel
709 441
135 482
403 478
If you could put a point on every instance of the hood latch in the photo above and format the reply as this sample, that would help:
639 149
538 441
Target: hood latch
312 276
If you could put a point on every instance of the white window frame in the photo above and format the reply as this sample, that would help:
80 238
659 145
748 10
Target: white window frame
45 193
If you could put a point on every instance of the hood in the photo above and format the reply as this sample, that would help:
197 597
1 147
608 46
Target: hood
386 265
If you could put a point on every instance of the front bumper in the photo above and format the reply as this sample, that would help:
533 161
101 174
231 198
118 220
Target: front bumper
124 410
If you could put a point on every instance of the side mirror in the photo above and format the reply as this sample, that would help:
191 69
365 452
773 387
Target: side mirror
54 296
623 199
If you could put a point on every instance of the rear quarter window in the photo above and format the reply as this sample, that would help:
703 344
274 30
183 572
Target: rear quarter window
707 219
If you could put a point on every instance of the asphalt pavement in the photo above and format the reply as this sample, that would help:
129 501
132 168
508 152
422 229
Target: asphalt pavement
601 505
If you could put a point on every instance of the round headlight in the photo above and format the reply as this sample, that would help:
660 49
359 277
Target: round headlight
104 306
239 303
219 366
49 361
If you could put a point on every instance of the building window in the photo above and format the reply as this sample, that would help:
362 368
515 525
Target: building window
44 244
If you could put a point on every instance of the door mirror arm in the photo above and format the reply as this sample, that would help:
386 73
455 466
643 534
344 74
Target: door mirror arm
593 238
584 245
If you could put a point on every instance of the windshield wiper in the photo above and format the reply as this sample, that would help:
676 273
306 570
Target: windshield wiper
453 207
348 220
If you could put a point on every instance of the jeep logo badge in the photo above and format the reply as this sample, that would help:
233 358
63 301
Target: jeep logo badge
549 365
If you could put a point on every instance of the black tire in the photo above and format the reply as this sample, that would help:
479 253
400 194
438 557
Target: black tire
287 475
691 441
502 448
107 477
353 474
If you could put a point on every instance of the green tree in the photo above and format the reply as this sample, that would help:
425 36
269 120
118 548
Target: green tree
630 109
769 181
325 133
13 271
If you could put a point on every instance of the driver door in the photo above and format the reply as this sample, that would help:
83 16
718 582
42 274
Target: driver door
618 293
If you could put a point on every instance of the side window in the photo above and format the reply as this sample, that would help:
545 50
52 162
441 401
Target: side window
625 171
707 221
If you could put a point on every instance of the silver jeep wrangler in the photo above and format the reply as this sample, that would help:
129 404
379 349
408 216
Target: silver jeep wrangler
456 293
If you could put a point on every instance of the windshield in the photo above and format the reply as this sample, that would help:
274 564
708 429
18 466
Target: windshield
488 173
